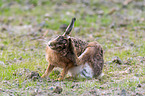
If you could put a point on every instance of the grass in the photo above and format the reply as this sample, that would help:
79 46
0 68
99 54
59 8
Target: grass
21 49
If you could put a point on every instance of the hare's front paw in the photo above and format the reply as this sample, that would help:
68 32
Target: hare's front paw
59 79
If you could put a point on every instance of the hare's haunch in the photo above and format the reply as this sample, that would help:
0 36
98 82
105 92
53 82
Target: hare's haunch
74 55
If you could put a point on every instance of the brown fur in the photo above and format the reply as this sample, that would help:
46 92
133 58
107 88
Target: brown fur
66 53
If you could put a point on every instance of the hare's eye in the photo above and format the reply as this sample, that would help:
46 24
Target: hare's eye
64 41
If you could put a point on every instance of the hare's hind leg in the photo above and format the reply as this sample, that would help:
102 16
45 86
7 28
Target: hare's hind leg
84 59
48 70
85 56
90 53
93 56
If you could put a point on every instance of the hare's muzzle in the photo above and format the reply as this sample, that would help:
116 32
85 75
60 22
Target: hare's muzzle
54 45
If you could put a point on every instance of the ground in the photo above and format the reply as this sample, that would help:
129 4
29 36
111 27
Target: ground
27 25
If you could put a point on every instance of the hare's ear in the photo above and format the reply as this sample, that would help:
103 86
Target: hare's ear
69 39
69 28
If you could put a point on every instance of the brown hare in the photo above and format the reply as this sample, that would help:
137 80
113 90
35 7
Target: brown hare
74 55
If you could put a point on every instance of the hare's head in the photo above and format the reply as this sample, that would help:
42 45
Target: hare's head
62 41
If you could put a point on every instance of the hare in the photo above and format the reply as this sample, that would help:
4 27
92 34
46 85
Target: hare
74 55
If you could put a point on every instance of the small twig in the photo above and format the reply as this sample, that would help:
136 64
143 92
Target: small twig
112 11
45 33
